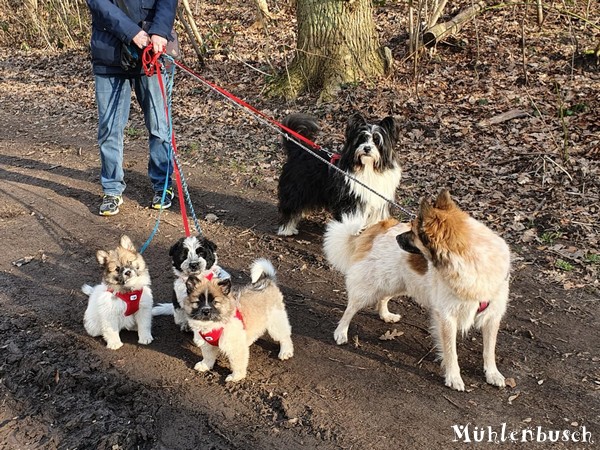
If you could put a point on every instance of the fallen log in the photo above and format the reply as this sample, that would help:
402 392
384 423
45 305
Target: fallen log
441 31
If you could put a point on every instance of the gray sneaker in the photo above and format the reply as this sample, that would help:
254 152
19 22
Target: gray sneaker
156 200
110 204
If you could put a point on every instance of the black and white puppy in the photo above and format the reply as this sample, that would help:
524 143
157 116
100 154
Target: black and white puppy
307 184
193 255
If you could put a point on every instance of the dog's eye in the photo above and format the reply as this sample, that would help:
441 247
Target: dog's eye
200 251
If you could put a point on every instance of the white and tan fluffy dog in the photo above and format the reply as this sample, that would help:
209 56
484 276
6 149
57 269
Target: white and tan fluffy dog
448 262
231 323
123 300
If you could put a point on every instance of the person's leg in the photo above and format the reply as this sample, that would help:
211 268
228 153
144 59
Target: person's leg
160 166
113 98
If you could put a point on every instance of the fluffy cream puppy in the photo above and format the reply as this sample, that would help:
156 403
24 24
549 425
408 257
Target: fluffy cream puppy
123 300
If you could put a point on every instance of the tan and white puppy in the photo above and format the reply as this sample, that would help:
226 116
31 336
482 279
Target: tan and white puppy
123 300
231 323
448 262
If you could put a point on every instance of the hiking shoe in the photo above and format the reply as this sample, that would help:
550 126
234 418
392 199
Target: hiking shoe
158 197
110 204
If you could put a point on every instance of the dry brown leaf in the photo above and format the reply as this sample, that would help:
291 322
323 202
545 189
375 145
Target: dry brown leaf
390 334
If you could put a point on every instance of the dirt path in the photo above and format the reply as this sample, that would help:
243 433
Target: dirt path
534 179
63 389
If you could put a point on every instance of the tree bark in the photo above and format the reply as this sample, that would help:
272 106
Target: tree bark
336 44
442 30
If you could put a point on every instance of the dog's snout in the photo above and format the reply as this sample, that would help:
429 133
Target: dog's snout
194 266
205 311
367 149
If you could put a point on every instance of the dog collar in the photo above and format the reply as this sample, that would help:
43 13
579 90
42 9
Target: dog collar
482 307
213 336
216 271
131 299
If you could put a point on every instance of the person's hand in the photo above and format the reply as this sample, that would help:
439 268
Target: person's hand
159 43
141 39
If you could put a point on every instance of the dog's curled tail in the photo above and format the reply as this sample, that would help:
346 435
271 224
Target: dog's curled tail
303 124
339 241
87 289
163 309
262 274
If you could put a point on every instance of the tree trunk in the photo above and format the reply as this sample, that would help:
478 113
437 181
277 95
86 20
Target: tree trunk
336 44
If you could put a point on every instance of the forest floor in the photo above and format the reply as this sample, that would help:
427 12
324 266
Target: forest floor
534 179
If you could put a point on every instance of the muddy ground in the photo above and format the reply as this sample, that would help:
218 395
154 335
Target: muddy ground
62 389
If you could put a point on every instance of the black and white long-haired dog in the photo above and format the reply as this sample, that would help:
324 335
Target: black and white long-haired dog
307 184
192 255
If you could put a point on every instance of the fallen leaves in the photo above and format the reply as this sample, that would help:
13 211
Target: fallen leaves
40 256
513 397
390 335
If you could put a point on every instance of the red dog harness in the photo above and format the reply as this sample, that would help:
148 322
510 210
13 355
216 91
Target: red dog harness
482 307
213 336
131 299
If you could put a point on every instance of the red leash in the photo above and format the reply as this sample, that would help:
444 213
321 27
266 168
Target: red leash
151 65
241 102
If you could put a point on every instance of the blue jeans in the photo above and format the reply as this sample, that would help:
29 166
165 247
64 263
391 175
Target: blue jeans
113 97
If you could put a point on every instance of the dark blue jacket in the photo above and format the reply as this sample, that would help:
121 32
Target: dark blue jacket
111 27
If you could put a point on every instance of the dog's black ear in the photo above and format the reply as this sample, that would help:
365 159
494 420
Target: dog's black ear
191 283
225 285
444 201
391 126
208 244
176 246
355 121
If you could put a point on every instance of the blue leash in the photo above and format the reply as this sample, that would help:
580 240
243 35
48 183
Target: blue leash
169 77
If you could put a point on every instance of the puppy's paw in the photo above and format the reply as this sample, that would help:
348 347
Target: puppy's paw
146 339
285 354
114 345
455 382
235 376
495 378
340 336
391 318
202 367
